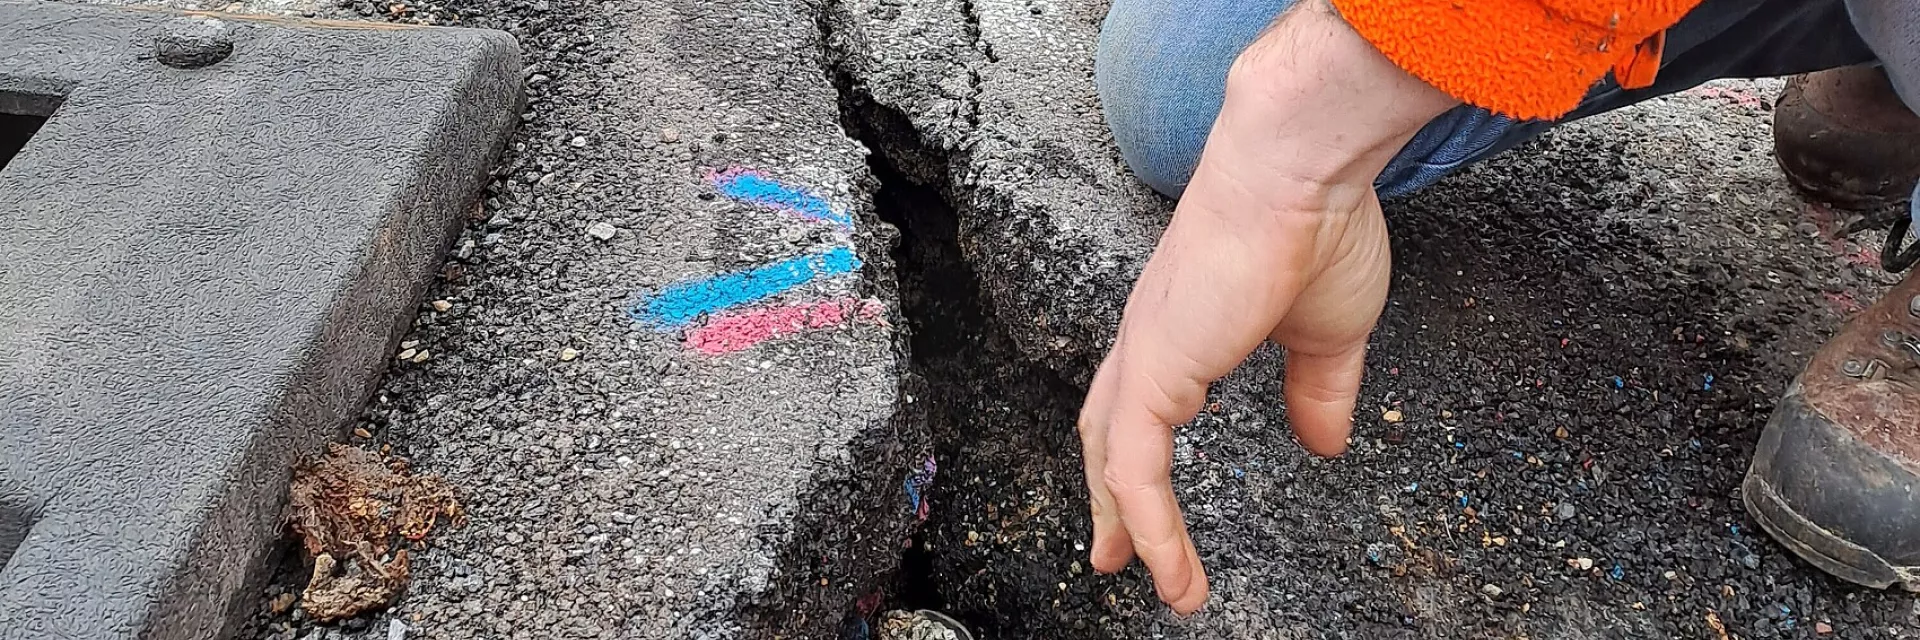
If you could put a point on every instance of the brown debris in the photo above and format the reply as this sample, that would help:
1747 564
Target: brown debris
344 590
1713 622
355 512
281 603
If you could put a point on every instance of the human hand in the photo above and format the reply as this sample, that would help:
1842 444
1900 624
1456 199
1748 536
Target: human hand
1278 236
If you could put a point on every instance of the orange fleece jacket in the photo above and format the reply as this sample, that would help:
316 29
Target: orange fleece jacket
1525 59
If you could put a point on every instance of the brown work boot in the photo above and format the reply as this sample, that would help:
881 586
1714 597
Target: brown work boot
1844 137
1836 477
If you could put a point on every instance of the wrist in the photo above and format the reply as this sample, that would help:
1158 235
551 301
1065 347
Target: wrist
1312 83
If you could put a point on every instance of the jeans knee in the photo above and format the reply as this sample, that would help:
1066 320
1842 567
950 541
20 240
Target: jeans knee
1161 70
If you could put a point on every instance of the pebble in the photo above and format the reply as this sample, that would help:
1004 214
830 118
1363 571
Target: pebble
1582 564
193 42
1822 628
407 354
1492 590
423 356
602 231
1392 415
568 354
1564 511
442 306
280 604
1746 557
396 630
669 135
578 141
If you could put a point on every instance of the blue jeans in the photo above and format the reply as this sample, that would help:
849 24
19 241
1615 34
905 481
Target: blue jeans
1162 68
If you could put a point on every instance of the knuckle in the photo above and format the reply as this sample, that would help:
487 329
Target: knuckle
1100 505
1085 425
1119 484
1318 392
1165 405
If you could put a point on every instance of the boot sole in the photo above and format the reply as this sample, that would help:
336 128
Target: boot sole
1819 547
1842 195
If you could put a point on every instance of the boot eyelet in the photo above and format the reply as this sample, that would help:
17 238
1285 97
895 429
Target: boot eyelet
1873 369
1853 368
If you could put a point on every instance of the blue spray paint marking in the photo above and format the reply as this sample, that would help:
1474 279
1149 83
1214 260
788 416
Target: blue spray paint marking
683 302
917 482
757 188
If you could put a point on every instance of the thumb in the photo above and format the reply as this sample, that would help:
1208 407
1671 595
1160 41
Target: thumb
1321 391
1326 336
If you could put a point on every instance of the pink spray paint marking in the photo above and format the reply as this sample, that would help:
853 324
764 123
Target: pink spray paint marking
739 331
1832 230
1730 95
1844 303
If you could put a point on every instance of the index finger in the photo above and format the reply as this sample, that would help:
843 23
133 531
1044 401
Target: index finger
1138 475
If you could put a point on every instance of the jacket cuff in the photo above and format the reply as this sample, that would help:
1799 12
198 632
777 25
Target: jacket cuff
1524 59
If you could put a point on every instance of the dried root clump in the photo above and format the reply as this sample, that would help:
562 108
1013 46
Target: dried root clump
355 512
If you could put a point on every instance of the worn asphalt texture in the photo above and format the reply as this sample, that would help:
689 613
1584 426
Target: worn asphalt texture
1588 283
618 482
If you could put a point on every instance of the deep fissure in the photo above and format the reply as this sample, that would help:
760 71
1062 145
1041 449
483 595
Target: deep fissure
958 347
939 294
972 368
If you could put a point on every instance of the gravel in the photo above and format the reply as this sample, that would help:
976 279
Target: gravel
1559 463
1555 317
620 484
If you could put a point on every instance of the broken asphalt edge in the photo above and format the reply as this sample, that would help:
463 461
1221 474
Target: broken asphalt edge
838 557
1050 218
